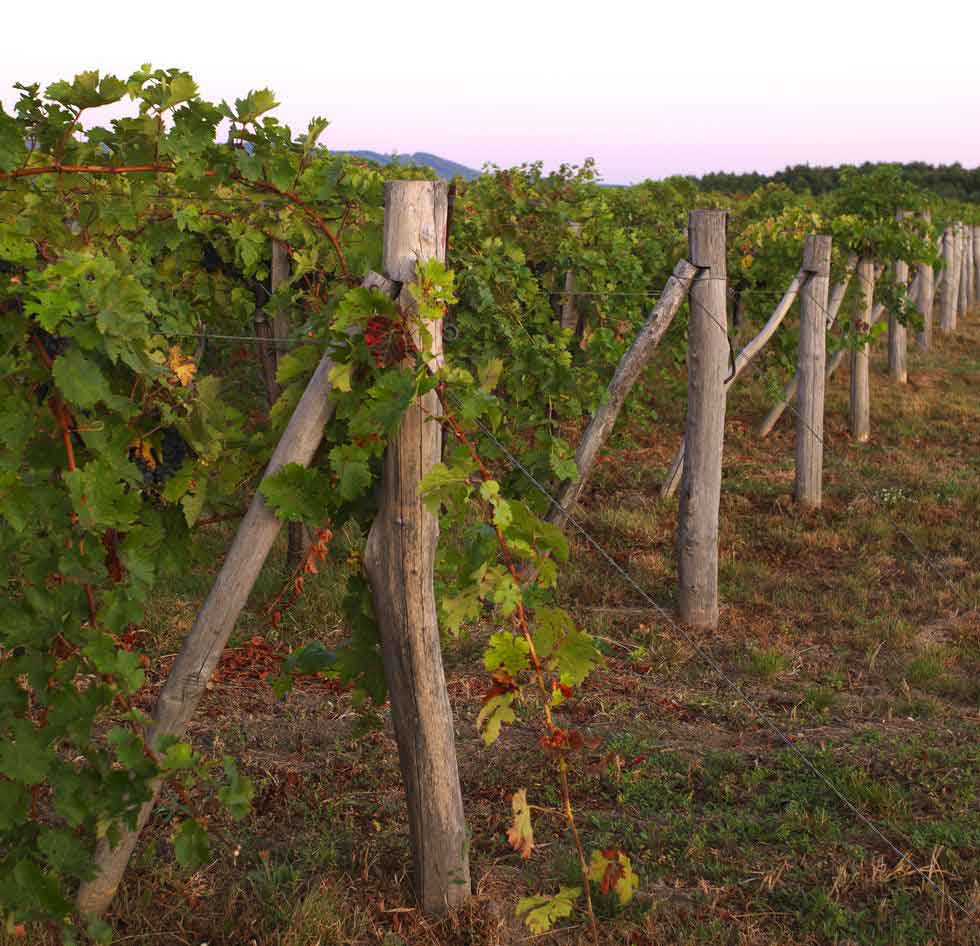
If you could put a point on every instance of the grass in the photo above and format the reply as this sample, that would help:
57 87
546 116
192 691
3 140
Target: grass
855 627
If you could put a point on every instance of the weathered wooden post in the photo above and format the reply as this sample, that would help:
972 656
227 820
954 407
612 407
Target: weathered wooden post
811 364
926 296
976 264
704 433
949 288
569 311
962 301
898 366
399 558
860 354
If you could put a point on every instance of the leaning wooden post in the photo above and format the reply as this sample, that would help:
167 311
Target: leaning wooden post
569 311
399 559
623 379
861 355
704 433
811 364
949 288
926 296
898 366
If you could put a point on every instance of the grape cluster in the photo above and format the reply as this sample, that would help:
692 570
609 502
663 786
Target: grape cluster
52 345
162 463
386 340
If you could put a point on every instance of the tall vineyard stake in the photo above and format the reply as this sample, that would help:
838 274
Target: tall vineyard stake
745 356
962 299
898 367
569 310
949 288
203 646
861 354
707 363
789 390
976 264
926 296
963 302
297 540
811 364
399 559
625 376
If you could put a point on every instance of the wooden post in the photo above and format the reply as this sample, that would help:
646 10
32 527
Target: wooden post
860 354
627 371
898 367
707 358
811 364
206 640
962 300
925 299
569 311
399 559
976 264
949 288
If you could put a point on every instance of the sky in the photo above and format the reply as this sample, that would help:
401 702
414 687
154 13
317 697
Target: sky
646 89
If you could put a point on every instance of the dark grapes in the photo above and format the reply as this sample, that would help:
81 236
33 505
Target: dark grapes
163 462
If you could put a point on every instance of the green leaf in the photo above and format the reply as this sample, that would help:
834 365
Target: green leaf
100 499
340 376
297 493
237 794
507 593
541 913
493 714
508 651
192 847
26 756
80 379
574 657
489 373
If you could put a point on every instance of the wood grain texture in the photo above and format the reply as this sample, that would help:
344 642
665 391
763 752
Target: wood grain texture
860 413
627 371
203 646
925 296
399 559
898 366
697 521
949 287
811 365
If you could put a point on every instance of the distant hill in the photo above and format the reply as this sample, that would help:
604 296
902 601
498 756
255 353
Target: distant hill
442 166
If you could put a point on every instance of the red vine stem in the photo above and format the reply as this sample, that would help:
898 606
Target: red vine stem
562 765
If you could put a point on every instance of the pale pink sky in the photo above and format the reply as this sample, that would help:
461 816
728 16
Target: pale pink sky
647 90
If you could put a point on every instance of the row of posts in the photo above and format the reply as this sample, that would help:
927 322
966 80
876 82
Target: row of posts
708 353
